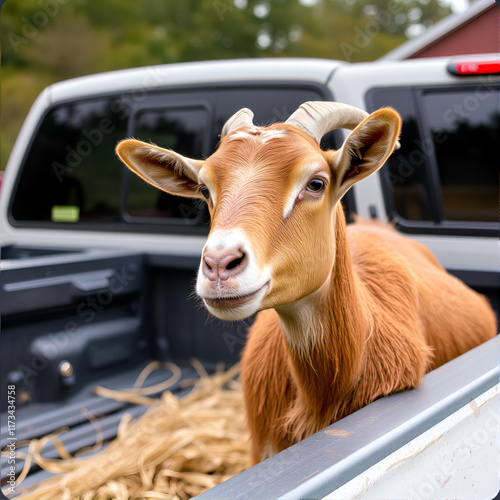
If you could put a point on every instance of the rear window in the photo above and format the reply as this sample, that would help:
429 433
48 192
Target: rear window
71 176
71 173
182 130
445 176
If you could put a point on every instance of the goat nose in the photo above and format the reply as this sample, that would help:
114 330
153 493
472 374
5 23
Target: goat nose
224 266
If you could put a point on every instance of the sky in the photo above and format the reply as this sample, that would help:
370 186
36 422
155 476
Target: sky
457 6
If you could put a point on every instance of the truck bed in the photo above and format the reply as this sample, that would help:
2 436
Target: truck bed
149 316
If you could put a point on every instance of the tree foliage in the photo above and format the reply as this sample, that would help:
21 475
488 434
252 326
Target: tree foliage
44 41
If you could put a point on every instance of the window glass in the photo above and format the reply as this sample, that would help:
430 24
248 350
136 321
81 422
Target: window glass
183 131
465 131
72 174
406 171
447 171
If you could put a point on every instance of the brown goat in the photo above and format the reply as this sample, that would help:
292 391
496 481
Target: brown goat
349 314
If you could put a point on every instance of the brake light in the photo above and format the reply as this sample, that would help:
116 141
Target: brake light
472 68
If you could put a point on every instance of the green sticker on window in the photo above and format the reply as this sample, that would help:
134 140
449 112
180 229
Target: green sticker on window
65 213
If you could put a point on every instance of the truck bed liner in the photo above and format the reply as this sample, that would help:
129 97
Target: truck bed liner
41 419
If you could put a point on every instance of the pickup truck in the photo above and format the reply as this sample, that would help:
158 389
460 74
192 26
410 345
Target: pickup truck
97 267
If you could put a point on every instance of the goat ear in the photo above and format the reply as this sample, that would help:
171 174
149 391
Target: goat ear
164 169
366 148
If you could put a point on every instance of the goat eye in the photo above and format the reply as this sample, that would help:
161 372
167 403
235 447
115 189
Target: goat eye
205 192
315 185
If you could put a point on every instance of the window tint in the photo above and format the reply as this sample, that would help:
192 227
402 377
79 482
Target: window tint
406 171
465 132
446 171
72 174
182 130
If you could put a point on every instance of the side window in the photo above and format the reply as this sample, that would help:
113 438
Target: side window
465 131
406 172
183 130
71 173
445 176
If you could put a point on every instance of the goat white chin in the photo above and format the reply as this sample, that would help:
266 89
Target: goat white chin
236 308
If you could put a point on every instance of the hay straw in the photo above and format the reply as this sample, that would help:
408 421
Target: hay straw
179 448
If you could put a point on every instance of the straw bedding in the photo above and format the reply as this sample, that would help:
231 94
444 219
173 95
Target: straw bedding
177 449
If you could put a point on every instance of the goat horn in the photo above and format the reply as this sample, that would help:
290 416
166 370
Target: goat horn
242 118
317 118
